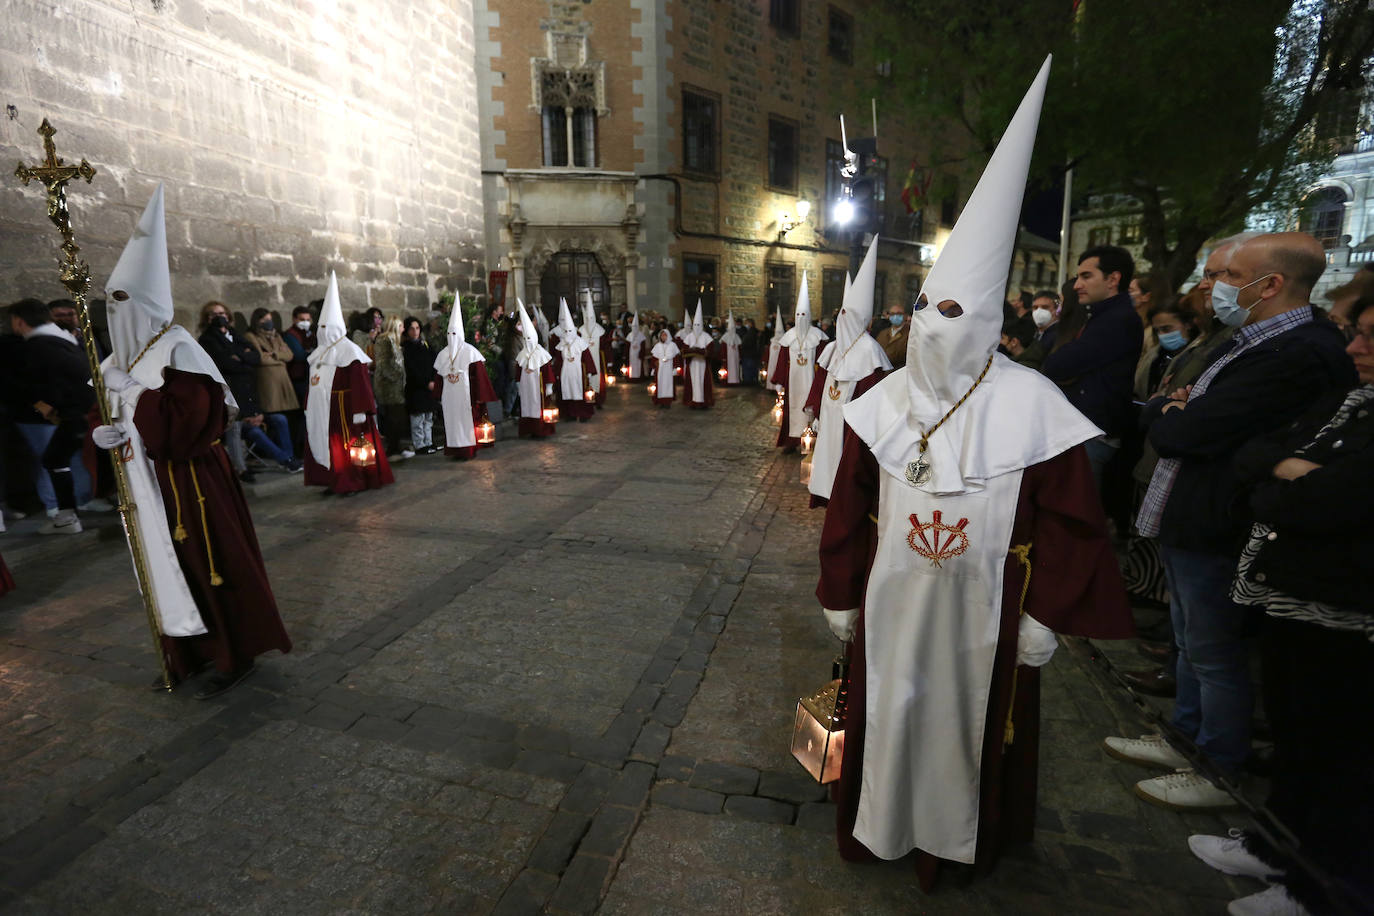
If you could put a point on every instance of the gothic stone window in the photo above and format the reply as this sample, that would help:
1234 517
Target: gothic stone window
841 37
784 138
568 107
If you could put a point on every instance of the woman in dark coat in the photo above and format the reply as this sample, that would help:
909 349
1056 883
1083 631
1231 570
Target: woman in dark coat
420 386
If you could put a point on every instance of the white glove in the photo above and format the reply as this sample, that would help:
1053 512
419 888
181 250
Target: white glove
548 389
109 437
1035 642
117 379
842 622
359 418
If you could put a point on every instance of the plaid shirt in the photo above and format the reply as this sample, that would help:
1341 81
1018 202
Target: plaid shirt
1166 471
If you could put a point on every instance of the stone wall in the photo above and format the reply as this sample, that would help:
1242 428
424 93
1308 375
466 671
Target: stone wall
293 138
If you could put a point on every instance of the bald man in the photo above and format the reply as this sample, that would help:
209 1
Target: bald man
1282 356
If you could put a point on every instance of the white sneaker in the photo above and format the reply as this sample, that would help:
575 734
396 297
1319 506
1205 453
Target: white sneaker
97 505
407 453
52 513
1227 854
1185 790
1149 750
1274 901
62 523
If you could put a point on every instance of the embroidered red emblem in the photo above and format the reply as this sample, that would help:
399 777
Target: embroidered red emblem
454 377
315 379
935 540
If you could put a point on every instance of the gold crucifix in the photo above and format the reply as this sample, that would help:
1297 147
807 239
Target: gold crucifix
54 175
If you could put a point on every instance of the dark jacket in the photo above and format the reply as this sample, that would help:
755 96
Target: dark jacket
419 360
1322 539
1097 370
237 360
1263 389
302 344
56 372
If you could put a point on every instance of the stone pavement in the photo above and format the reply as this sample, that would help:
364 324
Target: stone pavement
558 678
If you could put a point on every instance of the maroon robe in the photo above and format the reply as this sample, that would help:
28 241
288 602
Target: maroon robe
1075 588
782 377
352 394
181 424
481 393
6 580
569 409
709 395
534 426
813 404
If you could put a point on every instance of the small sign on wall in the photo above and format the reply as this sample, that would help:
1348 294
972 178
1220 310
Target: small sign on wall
496 286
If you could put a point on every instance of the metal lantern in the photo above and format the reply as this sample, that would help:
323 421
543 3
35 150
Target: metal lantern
653 389
808 441
549 414
722 373
486 432
625 370
361 452
777 409
610 380
806 470
818 732
763 376
677 370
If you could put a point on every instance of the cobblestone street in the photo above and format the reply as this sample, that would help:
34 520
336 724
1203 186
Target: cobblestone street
559 678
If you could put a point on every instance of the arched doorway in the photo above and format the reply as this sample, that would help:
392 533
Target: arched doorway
567 274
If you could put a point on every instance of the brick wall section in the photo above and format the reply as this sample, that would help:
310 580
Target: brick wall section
291 141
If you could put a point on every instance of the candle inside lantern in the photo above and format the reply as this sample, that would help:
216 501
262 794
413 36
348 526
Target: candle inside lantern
653 389
722 373
589 395
549 414
808 441
362 452
610 380
486 432
624 370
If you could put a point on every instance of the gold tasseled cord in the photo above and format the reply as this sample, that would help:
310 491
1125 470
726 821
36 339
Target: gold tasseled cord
1022 554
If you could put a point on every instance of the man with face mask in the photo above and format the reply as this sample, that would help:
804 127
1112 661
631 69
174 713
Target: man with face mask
963 530
1278 362
1045 317
893 337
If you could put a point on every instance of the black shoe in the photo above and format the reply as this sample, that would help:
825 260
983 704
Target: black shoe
1154 681
220 682
292 466
1155 651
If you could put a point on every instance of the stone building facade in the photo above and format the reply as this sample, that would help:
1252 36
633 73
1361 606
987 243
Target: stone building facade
292 139
653 151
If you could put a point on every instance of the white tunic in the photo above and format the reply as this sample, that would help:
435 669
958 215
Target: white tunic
531 393
456 396
929 644
825 459
732 364
801 371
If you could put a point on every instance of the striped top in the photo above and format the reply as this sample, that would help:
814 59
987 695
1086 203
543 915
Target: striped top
1277 604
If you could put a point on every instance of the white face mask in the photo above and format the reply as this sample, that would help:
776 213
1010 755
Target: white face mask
303 325
1042 317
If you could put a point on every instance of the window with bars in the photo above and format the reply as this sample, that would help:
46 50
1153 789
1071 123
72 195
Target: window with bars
781 292
568 109
699 283
700 132
832 290
784 138
1323 215
785 16
840 42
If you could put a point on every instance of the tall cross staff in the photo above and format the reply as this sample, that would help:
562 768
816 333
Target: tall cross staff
54 174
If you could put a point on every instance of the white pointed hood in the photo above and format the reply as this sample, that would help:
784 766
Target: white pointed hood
696 335
855 354
139 292
531 355
591 331
570 342
731 336
541 321
802 335
1016 417
139 309
946 355
636 333
456 338
779 329
459 353
335 349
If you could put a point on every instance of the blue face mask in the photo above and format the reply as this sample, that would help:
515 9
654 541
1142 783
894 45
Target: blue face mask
1173 341
895 320
1226 302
